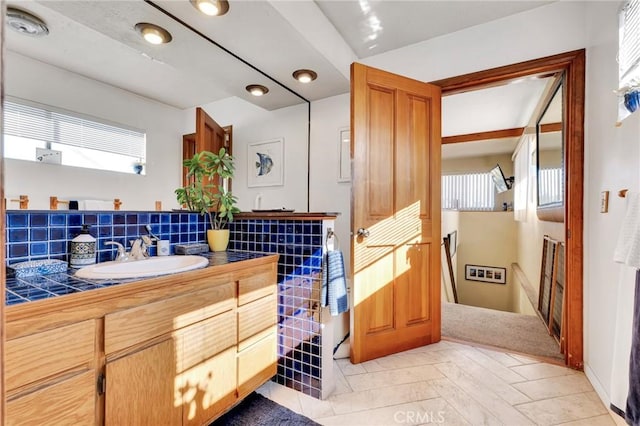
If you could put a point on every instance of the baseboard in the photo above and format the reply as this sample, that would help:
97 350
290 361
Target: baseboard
597 386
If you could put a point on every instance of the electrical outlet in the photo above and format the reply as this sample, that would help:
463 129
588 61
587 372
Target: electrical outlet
604 201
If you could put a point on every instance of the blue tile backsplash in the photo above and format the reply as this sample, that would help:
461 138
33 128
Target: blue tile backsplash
46 235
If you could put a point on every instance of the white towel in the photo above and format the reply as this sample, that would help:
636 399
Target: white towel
95 205
628 248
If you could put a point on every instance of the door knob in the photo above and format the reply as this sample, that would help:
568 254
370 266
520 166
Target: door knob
364 233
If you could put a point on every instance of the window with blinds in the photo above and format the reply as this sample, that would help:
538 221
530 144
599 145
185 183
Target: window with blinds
82 141
472 191
550 185
629 42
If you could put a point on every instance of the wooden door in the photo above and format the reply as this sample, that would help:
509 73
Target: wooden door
141 388
395 134
209 136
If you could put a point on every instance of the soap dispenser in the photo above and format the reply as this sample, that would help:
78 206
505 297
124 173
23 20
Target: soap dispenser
83 249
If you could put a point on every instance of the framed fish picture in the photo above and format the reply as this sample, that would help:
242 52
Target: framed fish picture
265 163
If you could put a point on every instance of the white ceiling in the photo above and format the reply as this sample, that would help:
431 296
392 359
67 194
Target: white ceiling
371 27
96 39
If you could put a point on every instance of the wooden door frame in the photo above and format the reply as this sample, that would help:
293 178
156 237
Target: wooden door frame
573 65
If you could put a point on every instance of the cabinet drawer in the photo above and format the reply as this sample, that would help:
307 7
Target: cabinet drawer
260 283
256 364
41 355
132 326
70 402
203 340
257 316
209 388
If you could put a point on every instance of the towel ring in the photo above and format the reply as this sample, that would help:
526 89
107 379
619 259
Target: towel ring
331 234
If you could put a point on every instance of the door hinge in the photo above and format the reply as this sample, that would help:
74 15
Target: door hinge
102 384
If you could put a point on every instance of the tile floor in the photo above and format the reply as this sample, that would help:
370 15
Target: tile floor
452 384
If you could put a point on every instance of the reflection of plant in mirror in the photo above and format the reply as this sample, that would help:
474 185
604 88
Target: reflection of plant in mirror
205 193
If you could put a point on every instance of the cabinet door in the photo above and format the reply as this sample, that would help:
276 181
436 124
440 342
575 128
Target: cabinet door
208 367
142 388
209 388
68 402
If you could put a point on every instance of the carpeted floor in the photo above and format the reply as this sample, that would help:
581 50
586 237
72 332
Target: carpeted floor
519 333
256 410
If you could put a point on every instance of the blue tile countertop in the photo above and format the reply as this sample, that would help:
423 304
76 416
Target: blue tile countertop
28 289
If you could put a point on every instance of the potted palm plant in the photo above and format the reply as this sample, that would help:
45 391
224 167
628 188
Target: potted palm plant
206 193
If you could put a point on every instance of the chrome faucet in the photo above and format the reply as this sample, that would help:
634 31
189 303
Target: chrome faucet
122 255
140 248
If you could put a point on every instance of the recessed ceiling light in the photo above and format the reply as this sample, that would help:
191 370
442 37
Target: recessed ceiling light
257 89
152 33
305 76
26 23
211 7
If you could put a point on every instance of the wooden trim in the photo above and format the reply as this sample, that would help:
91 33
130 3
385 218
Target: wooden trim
541 67
286 215
498 134
550 127
483 136
573 64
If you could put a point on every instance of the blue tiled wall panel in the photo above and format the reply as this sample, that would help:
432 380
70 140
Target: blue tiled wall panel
38 235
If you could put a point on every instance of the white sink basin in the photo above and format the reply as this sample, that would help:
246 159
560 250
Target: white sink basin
152 266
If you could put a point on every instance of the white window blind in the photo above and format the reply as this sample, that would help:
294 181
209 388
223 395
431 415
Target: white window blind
50 125
472 191
550 189
629 41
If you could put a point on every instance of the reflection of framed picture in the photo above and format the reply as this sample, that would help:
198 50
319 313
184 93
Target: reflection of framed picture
265 163
344 155
486 274
453 242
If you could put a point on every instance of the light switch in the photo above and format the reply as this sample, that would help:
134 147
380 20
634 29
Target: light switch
604 201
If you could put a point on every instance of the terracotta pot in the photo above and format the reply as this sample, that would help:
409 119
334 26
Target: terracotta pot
218 239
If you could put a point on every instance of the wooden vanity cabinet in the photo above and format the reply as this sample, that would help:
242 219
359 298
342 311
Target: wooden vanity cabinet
179 351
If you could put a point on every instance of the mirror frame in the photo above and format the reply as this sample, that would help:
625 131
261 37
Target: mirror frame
552 212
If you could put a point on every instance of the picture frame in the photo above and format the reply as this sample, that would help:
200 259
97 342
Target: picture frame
265 163
344 154
487 274
453 242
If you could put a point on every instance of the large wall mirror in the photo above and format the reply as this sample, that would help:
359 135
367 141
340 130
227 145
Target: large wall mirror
93 62
550 156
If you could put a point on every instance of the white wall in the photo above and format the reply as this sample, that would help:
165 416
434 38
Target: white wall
328 116
33 80
487 239
612 162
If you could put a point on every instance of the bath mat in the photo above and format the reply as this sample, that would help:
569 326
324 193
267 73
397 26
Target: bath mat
256 410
